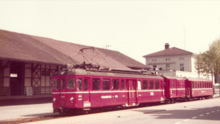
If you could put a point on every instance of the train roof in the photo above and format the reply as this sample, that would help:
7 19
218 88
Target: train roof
178 78
197 79
105 73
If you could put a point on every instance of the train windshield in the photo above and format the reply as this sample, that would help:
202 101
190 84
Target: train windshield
70 83
56 84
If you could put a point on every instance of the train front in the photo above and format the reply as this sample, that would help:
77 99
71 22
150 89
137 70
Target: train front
64 92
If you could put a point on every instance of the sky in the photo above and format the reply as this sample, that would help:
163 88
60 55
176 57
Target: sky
134 28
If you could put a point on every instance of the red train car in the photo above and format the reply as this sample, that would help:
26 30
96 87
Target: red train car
80 89
174 88
199 88
83 89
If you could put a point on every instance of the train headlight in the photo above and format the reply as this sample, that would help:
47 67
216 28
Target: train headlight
71 98
54 99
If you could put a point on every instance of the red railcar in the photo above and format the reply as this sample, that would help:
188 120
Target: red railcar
174 88
199 88
81 89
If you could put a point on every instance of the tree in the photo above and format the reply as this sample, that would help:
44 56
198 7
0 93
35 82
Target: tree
211 58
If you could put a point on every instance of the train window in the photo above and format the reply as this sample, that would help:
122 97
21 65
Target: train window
62 83
144 84
86 84
133 85
79 83
139 85
126 85
122 84
151 85
96 84
182 84
56 84
115 84
70 83
192 84
106 84
157 85
172 86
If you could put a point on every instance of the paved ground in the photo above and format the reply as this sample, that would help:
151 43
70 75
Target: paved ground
25 111
201 112
36 110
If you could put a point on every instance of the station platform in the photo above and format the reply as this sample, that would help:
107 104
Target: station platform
14 112
23 100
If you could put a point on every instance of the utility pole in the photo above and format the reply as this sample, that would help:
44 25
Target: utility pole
106 49
184 39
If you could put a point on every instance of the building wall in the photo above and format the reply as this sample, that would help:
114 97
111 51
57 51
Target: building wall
174 62
36 78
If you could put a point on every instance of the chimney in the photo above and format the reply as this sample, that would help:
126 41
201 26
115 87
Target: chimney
167 46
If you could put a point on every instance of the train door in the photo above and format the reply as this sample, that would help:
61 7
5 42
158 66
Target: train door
62 91
188 89
176 87
132 92
86 97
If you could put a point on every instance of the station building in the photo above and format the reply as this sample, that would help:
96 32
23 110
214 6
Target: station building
174 62
28 62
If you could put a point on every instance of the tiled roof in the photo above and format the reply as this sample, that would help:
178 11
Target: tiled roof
123 59
24 47
169 52
72 50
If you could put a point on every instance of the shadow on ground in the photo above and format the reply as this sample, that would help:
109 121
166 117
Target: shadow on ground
206 113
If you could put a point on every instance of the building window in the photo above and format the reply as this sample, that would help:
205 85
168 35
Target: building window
45 72
167 59
181 67
154 60
154 67
167 66
181 58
